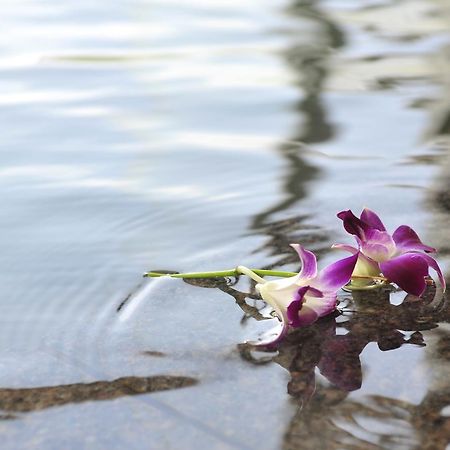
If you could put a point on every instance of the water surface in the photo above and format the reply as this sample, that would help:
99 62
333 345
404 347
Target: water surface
193 136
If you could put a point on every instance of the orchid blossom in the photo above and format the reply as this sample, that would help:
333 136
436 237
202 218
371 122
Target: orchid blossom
401 257
301 299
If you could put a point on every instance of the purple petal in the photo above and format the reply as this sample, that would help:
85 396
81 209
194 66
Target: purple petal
434 265
372 219
376 252
313 292
295 306
380 237
294 310
321 306
408 271
353 225
347 248
308 260
305 309
336 275
307 316
406 239
378 245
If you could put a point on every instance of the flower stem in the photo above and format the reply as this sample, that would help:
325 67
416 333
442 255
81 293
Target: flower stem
217 274
254 274
226 273
250 273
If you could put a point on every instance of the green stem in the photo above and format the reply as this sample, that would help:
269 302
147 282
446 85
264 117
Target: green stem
250 273
225 273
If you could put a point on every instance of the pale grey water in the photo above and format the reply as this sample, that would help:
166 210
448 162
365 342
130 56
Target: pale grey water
195 136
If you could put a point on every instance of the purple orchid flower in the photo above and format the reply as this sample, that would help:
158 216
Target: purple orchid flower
402 257
300 300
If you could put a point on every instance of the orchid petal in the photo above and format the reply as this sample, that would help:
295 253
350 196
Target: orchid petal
366 267
376 252
279 311
372 219
408 271
434 265
321 306
307 316
406 239
283 284
313 292
380 237
308 260
277 293
336 275
378 245
353 225
313 299
294 308
345 247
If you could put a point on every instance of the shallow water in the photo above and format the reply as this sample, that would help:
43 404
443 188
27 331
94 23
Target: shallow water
196 136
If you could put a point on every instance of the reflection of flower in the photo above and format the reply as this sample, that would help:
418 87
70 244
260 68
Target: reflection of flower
402 257
300 300
334 346
336 357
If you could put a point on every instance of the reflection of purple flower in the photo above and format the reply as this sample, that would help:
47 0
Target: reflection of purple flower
402 257
336 357
300 300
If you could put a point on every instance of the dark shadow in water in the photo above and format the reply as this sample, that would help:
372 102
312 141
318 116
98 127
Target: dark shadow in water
310 64
281 233
34 399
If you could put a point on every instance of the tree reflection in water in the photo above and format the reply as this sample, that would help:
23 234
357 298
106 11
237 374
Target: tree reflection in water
38 398
309 60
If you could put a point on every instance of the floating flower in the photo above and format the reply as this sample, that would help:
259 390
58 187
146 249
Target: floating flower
400 257
301 299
